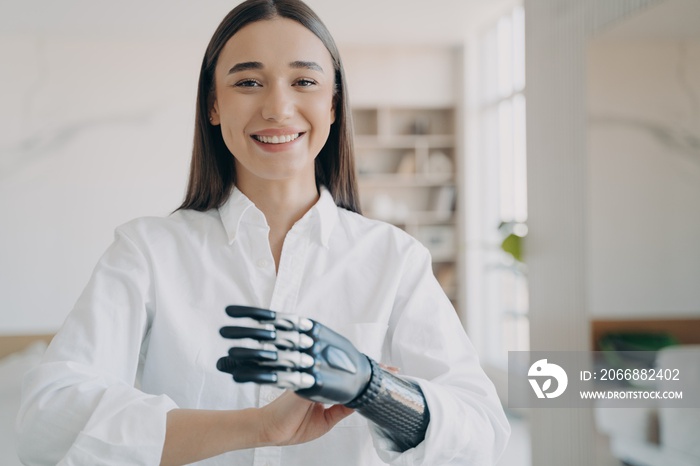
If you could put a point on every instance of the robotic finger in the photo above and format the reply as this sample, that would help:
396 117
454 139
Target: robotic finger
280 359
242 373
282 339
279 320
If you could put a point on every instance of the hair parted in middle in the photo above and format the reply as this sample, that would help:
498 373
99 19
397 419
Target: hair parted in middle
212 168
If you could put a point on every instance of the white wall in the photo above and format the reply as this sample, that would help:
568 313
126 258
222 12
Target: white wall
426 75
95 132
644 178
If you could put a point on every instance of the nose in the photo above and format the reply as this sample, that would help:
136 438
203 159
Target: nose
279 103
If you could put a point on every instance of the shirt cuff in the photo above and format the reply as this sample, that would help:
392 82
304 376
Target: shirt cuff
133 433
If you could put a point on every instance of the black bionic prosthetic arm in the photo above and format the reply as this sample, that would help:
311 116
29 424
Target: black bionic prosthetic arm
321 365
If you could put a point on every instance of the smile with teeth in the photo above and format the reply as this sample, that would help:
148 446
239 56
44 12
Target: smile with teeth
276 139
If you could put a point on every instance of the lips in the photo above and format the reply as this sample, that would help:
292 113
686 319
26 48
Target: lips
276 139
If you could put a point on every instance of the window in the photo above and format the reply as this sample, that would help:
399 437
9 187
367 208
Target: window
497 280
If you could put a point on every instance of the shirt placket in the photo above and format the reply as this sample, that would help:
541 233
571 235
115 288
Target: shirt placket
284 297
290 271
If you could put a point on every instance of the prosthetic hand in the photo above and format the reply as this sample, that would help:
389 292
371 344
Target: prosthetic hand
319 364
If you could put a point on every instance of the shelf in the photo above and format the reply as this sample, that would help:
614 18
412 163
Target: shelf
409 141
408 180
432 217
411 220
406 162
392 121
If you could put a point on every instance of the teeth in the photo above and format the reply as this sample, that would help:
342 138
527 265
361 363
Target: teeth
277 139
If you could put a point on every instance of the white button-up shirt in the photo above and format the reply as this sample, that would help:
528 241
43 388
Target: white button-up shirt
144 339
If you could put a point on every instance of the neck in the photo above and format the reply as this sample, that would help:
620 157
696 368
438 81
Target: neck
283 204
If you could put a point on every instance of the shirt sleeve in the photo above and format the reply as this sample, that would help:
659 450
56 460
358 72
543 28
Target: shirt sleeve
80 405
426 340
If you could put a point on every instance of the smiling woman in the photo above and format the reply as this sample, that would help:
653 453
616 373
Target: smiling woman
267 272
275 111
213 171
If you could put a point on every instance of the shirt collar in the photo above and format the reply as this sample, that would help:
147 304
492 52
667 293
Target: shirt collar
233 211
327 213
324 215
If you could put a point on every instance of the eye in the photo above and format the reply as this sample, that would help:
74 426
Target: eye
247 83
305 82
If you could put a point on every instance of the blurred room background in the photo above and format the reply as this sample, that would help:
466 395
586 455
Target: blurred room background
546 152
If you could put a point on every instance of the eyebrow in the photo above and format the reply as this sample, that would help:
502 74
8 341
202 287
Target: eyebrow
256 65
310 65
248 65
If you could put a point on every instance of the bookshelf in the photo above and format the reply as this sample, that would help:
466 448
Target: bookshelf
406 162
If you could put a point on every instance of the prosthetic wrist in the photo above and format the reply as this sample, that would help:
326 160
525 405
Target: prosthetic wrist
319 364
397 406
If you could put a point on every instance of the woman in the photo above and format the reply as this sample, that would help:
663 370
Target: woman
270 220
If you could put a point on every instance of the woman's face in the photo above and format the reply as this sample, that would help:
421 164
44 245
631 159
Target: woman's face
274 100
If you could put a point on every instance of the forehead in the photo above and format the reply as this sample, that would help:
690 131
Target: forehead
277 41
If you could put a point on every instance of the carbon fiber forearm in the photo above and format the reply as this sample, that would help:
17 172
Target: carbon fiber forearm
397 406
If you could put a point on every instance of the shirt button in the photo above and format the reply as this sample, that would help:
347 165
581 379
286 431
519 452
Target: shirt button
262 263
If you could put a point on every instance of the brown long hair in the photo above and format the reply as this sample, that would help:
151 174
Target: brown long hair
212 169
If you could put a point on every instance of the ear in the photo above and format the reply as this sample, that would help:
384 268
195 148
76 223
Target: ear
214 118
335 101
213 105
